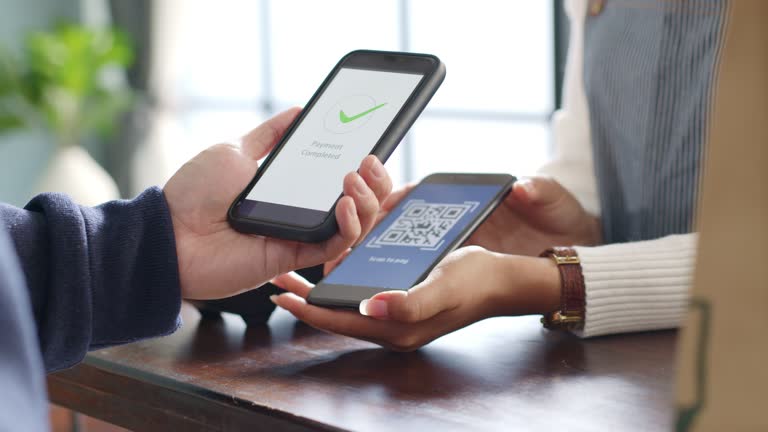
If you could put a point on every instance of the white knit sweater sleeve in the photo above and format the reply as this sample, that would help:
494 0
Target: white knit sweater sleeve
637 286
631 286
572 164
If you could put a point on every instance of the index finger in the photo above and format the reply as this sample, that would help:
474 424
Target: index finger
395 197
294 283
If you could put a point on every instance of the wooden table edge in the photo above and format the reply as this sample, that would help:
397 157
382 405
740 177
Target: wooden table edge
89 388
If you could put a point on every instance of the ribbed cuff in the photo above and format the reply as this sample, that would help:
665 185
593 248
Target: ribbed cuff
138 293
637 286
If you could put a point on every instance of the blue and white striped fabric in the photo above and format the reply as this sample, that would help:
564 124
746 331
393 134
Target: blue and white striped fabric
648 138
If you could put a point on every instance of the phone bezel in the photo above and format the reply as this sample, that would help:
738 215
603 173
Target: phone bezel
288 225
350 296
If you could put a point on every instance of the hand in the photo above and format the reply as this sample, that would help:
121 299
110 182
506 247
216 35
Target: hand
537 214
214 260
406 320
386 206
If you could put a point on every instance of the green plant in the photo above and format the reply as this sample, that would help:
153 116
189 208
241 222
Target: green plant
68 81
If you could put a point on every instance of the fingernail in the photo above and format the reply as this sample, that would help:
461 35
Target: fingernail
374 308
360 186
377 169
527 184
273 298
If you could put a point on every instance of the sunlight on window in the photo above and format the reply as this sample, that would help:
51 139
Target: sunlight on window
498 53
223 68
306 45
478 146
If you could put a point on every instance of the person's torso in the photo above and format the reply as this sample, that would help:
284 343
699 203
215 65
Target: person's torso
24 405
649 71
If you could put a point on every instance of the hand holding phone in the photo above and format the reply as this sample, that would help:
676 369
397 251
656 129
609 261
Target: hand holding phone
436 217
470 284
365 106
465 286
215 261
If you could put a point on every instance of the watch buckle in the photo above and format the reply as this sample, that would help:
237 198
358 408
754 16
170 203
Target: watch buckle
561 260
559 320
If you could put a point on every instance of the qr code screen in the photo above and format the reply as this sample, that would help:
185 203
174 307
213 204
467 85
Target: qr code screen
422 224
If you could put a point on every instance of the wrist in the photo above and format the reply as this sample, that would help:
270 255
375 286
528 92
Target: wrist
524 285
571 313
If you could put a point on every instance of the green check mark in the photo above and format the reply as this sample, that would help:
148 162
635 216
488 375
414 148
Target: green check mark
345 119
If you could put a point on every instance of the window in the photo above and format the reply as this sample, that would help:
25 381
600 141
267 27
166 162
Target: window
224 67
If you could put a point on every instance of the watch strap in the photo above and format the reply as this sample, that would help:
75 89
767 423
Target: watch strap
573 290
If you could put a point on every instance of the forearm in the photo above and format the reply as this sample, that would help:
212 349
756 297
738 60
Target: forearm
630 287
637 286
523 285
96 276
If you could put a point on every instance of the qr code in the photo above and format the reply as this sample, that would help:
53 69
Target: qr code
422 224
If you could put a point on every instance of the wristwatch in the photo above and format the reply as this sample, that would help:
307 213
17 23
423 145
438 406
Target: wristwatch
572 295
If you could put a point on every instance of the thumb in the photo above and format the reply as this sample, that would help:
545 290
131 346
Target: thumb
420 303
260 141
538 191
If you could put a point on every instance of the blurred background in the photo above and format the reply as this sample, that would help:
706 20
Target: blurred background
101 99
180 75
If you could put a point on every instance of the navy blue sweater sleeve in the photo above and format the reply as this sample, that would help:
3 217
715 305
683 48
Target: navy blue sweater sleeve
96 276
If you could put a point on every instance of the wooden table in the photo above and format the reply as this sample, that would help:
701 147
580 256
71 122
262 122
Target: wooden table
503 374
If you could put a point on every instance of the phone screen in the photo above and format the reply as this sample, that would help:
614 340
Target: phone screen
341 128
403 246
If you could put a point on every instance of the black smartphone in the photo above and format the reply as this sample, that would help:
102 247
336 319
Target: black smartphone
365 106
435 218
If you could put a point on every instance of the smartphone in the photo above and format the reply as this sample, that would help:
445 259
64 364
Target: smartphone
435 218
365 106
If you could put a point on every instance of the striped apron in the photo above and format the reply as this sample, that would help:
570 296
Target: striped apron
649 72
